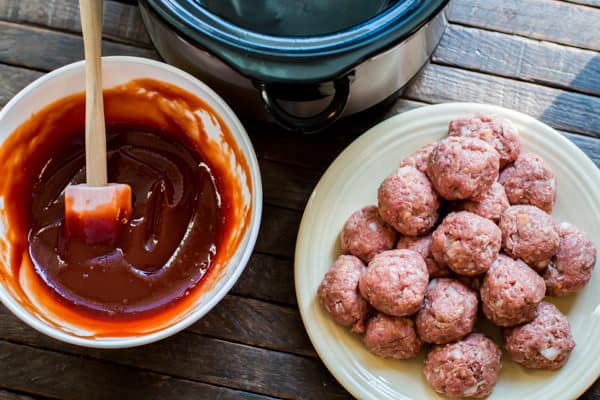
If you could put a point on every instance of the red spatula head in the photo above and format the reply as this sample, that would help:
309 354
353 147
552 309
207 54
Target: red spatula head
96 214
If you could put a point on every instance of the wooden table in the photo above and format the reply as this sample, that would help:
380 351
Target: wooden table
541 57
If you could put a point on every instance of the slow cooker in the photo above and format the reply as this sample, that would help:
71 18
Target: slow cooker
301 63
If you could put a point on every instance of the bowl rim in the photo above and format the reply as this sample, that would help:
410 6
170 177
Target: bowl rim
252 231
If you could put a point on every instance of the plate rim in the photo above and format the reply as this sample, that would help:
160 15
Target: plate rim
365 138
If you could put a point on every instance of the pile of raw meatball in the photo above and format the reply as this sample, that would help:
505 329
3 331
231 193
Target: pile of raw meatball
463 222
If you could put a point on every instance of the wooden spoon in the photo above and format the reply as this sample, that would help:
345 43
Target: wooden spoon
96 210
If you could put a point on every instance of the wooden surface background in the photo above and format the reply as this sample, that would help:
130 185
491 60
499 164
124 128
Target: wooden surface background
541 57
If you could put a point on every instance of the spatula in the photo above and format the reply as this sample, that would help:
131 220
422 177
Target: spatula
96 210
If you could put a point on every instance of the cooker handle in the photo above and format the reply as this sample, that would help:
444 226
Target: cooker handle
314 123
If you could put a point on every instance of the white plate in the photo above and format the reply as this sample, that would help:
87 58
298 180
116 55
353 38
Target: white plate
351 182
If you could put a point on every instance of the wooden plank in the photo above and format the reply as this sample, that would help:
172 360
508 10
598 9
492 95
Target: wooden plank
590 146
267 278
13 79
593 393
122 22
64 376
256 323
247 321
42 49
573 112
6 395
186 356
550 20
520 58
278 231
286 185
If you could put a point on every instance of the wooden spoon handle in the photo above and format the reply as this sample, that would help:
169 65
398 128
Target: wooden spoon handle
95 133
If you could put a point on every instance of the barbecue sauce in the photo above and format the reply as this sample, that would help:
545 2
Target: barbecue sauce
185 221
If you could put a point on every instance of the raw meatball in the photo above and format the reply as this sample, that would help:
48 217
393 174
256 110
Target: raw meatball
392 337
419 158
338 293
468 368
462 167
546 342
422 245
365 234
395 282
511 291
530 181
408 202
499 132
448 312
571 268
530 234
491 205
466 242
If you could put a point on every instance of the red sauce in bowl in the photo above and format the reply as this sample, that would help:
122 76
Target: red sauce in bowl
187 210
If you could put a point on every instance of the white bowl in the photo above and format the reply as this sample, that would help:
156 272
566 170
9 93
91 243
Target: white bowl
351 182
69 80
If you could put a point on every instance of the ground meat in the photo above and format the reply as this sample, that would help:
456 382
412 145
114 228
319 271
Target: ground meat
448 312
530 181
499 132
530 234
392 337
395 282
422 245
462 167
419 158
408 202
511 292
546 342
466 242
339 295
491 205
365 234
572 265
468 368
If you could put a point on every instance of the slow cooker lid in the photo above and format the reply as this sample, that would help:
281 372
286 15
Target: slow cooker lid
295 59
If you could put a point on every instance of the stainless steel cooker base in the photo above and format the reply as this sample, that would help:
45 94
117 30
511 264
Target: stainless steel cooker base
369 82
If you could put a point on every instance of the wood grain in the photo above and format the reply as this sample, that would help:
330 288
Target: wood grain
573 112
278 230
5 395
13 79
549 20
186 356
286 185
43 49
122 22
590 146
64 376
268 278
520 58
256 323
593 393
